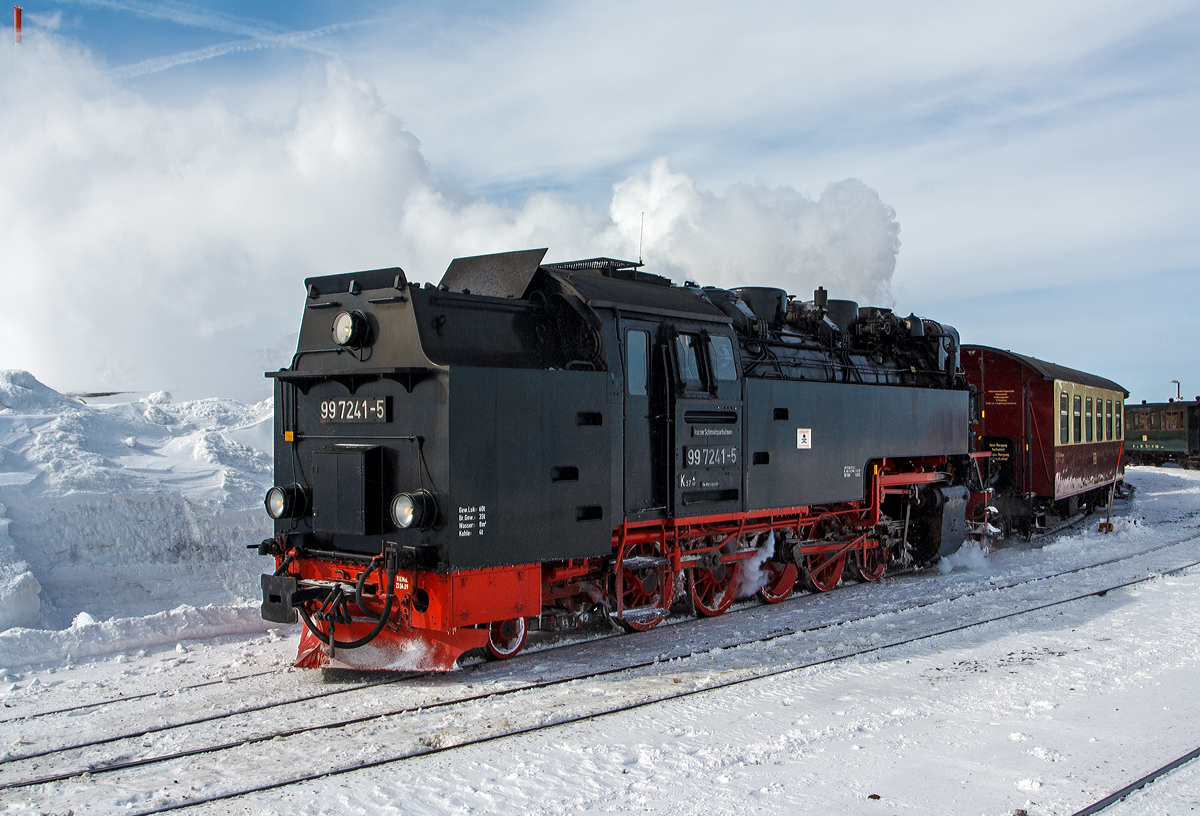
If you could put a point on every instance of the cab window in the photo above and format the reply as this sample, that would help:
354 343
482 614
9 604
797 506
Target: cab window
637 356
689 361
720 351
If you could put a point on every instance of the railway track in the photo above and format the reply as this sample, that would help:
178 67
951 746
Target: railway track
425 725
1138 784
740 607
724 682
114 736
572 639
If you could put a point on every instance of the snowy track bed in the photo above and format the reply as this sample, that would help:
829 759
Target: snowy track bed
504 710
850 708
195 704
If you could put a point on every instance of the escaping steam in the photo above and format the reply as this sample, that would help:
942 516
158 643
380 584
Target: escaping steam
146 245
753 577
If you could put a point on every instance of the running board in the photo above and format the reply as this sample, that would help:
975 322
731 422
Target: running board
641 562
641 613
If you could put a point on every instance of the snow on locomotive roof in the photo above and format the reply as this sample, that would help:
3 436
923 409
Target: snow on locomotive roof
1054 371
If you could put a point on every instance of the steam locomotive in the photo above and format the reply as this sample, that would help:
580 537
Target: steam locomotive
532 445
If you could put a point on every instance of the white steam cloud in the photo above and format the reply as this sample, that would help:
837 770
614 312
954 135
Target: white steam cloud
147 245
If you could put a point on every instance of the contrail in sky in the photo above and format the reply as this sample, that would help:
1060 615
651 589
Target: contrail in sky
295 39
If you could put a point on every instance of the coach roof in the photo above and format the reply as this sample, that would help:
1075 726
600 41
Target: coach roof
1053 371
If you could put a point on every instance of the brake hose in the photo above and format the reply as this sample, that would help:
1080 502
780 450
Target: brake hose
391 570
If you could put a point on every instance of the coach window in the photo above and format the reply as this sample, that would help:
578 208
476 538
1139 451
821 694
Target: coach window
1099 420
1088 423
720 351
1078 418
1108 429
637 347
1120 413
1064 421
689 362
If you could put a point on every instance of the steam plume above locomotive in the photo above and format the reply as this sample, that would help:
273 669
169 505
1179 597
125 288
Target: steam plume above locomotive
125 212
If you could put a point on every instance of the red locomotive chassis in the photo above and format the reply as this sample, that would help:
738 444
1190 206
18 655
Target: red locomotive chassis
441 616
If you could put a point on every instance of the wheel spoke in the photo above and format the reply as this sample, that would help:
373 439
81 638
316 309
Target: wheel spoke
781 580
822 573
713 591
506 637
648 587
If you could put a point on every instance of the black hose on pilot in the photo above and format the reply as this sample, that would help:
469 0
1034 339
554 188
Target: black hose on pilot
391 569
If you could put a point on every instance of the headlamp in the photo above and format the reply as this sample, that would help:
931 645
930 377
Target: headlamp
286 502
414 510
350 329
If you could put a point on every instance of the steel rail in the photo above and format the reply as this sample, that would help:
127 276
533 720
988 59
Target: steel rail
1138 784
737 608
482 740
113 701
99 769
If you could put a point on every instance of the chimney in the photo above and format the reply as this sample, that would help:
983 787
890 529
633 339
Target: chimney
17 24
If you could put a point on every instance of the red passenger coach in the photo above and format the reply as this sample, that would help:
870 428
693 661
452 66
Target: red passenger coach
1054 434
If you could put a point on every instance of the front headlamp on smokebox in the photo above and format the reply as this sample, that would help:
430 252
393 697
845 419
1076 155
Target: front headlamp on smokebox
350 329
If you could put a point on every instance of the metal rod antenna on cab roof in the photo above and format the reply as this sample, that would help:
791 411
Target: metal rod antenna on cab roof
641 229
17 25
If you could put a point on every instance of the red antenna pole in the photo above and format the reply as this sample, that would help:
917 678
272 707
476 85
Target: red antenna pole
17 24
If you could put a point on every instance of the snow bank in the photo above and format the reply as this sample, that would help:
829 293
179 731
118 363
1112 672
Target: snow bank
87 636
124 511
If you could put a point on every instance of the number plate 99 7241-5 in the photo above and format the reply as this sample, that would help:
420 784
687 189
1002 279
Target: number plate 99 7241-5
719 457
370 409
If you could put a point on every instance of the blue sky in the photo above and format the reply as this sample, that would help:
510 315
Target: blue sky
1041 159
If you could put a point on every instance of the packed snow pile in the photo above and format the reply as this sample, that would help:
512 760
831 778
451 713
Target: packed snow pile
110 514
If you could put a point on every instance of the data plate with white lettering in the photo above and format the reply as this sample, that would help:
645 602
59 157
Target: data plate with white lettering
716 457
369 409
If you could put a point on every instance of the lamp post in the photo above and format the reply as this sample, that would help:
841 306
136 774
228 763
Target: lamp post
1178 389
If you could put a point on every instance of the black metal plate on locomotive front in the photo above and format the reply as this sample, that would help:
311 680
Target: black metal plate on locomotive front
366 409
347 494
277 598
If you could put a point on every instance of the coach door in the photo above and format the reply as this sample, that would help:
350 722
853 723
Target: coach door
706 466
647 443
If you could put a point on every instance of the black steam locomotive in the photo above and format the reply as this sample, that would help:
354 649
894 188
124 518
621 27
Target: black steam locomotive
531 445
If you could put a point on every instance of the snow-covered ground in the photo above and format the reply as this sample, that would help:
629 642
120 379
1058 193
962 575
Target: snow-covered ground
126 524
125 575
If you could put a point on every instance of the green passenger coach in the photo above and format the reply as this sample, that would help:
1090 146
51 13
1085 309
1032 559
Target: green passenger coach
1161 432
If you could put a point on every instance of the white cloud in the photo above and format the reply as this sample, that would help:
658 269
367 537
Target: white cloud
147 245
845 240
